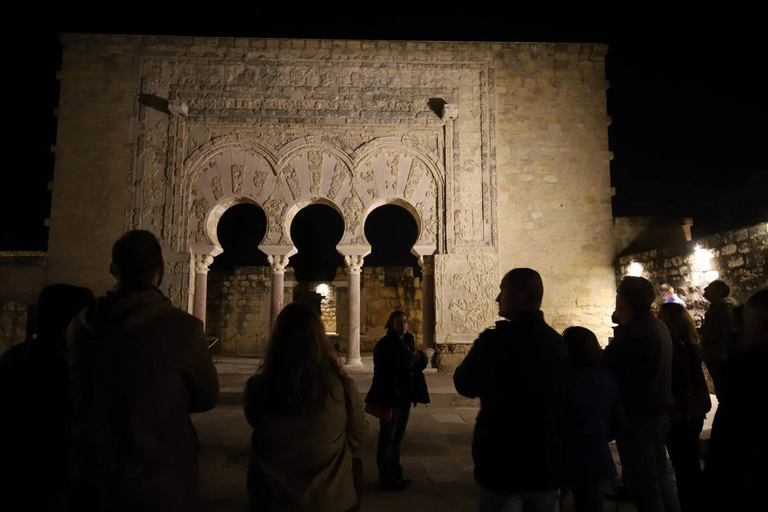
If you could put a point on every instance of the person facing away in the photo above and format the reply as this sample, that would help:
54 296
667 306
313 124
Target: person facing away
735 472
640 358
398 381
692 402
668 295
307 420
139 367
718 332
35 404
519 371
593 418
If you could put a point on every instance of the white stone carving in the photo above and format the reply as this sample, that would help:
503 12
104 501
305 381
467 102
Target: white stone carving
202 263
354 263
278 262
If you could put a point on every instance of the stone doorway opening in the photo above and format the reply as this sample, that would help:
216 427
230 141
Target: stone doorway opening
316 230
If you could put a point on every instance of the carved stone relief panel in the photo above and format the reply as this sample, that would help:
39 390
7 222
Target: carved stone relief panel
466 287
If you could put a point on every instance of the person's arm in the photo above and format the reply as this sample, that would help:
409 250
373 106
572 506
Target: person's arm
468 378
199 372
357 426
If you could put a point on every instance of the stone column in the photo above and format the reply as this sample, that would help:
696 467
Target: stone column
278 263
450 113
428 301
354 265
202 263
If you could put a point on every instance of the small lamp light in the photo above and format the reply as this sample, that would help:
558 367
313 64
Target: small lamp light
635 269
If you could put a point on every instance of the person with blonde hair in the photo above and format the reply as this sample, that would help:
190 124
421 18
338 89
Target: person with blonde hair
692 402
307 420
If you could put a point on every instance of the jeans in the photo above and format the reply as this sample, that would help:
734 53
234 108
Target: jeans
390 439
495 501
644 464
683 447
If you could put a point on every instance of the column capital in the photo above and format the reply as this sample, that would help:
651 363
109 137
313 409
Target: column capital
354 263
450 111
278 262
202 263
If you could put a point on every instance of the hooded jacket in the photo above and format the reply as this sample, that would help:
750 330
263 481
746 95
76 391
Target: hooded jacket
138 368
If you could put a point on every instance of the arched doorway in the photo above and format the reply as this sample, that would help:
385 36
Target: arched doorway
238 284
391 274
315 231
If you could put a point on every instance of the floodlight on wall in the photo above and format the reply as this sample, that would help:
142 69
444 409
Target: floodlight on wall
635 269
702 259
322 289
702 266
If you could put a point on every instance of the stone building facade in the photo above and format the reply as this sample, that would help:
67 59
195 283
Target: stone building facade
498 150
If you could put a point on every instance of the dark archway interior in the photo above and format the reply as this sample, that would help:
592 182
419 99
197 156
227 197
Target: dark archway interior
316 230
392 231
241 229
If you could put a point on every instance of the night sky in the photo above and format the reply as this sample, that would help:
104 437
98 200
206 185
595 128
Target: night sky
687 99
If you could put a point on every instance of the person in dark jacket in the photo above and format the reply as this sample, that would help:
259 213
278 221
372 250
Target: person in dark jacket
35 404
398 381
735 472
593 418
138 368
719 332
692 403
640 358
519 371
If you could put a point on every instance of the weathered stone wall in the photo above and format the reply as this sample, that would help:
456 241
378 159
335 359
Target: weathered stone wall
739 257
239 307
554 184
514 174
13 319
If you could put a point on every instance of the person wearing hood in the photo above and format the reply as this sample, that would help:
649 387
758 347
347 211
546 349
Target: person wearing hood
138 368
718 332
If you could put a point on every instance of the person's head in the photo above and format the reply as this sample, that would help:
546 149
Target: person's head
756 319
635 295
667 292
398 323
716 290
584 350
137 260
679 321
56 306
299 360
521 289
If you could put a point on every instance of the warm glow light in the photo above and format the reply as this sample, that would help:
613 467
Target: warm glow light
702 259
322 289
635 269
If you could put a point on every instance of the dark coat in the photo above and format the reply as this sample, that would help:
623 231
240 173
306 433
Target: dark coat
689 386
640 358
593 418
139 367
519 371
398 372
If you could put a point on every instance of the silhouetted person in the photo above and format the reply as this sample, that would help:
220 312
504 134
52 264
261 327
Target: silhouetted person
307 419
519 370
593 419
668 295
735 473
640 357
692 402
35 405
718 332
398 381
139 367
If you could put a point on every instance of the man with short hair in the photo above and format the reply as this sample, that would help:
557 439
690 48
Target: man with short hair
669 295
640 357
518 369
735 472
718 332
139 367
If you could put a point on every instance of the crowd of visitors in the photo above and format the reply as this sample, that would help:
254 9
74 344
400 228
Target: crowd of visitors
104 392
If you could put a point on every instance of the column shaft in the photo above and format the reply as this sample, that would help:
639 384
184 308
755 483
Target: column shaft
278 298
354 267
